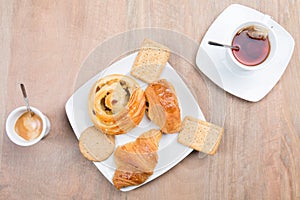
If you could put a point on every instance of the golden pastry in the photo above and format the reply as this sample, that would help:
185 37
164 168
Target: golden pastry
163 108
116 104
136 160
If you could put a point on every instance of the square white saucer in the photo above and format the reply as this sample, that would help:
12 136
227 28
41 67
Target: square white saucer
213 61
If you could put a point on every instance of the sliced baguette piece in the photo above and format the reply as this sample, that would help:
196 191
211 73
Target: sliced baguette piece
200 135
95 145
150 61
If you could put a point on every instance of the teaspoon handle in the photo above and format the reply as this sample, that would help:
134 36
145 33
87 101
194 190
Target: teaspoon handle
223 45
215 44
25 98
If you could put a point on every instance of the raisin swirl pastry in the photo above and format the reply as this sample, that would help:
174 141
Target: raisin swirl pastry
116 104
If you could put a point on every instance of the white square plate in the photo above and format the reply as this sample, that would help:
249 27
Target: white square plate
213 62
170 152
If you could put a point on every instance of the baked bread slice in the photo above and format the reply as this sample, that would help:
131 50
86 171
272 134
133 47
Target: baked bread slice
95 145
200 135
150 61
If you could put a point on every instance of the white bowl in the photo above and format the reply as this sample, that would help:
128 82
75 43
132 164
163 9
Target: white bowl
11 121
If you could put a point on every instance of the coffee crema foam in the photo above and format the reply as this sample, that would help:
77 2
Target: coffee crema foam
29 126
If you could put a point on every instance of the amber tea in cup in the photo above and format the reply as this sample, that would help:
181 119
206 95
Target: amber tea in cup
254 45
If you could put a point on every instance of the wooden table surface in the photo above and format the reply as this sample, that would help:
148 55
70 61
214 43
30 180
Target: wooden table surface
44 43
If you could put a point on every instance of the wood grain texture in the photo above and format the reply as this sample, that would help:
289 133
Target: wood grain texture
44 43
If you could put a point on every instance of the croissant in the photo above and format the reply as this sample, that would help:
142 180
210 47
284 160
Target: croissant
163 108
136 160
116 104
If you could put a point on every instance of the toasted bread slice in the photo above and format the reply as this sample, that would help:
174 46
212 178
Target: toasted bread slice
150 61
200 135
95 145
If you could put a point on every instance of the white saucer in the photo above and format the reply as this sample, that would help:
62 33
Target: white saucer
213 61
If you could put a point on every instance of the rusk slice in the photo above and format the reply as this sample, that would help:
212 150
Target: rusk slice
200 135
95 145
150 61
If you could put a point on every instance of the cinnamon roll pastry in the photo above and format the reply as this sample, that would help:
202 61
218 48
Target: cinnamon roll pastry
136 160
162 106
116 104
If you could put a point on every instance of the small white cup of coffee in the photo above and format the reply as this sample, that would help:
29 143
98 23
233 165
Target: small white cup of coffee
253 54
12 122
